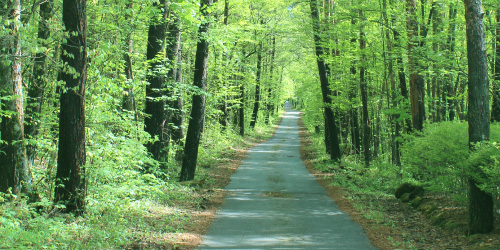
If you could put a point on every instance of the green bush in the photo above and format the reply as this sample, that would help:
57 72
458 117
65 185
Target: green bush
484 166
438 156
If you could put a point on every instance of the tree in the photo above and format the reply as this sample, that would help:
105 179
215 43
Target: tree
174 56
15 173
495 109
128 102
70 177
480 202
417 91
270 101
198 107
364 91
257 87
36 90
155 121
331 131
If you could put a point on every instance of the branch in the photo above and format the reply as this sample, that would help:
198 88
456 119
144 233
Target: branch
33 10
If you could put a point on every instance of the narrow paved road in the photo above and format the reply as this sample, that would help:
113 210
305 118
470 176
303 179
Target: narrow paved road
275 203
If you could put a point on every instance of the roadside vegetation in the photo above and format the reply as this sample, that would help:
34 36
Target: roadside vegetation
126 207
433 219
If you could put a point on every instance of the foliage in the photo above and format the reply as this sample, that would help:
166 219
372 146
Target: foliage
486 157
438 156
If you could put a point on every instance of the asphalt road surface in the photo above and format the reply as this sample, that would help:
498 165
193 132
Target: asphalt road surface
273 202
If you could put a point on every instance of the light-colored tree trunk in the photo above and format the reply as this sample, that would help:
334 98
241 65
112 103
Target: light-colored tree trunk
15 174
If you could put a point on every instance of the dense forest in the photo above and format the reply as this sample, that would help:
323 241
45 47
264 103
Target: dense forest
112 111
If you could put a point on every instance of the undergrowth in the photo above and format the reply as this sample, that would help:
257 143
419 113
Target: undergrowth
130 202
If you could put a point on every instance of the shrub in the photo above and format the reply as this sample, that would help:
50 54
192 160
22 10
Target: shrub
438 156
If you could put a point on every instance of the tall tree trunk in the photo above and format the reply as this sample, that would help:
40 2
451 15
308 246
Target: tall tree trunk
401 74
257 87
450 90
435 79
331 131
241 111
175 75
155 121
70 177
364 91
15 173
128 102
270 103
223 107
480 202
353 92
37 86
417 88
495 108
198 108
172 50
395 124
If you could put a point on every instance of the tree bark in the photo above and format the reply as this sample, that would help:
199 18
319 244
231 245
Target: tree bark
395 124
480 202
173 131
15 174
155 121
175 75
450 90
128 102
495 108
223 107
198 108
364 92
241 111
257 87
353 92
270 103
70 177
401 74
36 89
417 88
331 131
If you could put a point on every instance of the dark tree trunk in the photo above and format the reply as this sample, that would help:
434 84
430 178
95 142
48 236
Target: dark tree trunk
173 117
241 111
223 107
70 176
353 92
331 131
364 93
450 90
395 124
257 87
177 117
226 12
401 75
37 86
270 103
436 105
480 202
14 170
128 102
495 109
155 121
198 108
417 88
